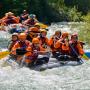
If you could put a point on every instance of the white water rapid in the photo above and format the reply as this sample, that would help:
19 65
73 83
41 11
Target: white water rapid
61 78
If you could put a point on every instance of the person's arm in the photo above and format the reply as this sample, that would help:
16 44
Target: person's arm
10 46
29 51
24 16
57 44
16 19
50 41
16 46
26 22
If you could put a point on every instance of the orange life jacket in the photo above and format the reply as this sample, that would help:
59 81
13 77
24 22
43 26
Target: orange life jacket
43 41
31 56
52 42
12 43
19 44
62 46
76 49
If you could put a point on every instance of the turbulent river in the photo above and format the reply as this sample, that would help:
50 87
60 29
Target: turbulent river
62 78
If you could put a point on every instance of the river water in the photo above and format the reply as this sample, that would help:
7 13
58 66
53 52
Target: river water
62 78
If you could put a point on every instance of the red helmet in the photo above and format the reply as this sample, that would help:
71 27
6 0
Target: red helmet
74 35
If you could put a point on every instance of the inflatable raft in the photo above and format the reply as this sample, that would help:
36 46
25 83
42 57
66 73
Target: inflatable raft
53 63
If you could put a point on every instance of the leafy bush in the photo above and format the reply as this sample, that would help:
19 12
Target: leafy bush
74 15
85 29
86 18
47 10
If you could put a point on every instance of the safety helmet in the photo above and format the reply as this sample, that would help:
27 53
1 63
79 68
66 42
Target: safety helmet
15 34
33 29
37 24
22 36
10 13
43 31
65 34
57 32
35 41
6 14
74 35
24 11
32 15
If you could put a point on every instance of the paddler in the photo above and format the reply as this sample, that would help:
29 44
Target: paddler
31 21
10 19
19 49
43 38
13 41
36 49
63 46
32 33
52 42
24 16
76 49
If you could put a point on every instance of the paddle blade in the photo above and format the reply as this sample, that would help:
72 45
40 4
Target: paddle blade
4 54
85 57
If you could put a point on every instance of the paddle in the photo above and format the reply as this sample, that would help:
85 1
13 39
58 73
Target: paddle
85 57
80 59
4 54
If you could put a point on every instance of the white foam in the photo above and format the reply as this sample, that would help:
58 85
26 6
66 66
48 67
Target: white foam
62 78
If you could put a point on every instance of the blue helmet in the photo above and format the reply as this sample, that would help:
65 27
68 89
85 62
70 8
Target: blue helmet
32 15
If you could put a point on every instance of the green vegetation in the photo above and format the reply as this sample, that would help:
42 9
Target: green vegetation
85 29
48 10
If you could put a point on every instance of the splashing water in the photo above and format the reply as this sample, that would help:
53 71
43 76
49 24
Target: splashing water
62 78
4 38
